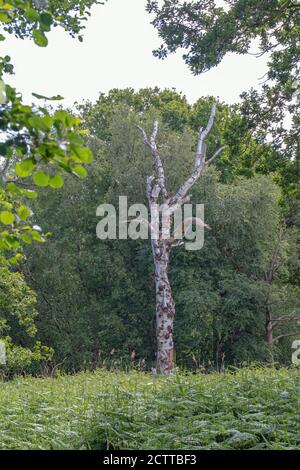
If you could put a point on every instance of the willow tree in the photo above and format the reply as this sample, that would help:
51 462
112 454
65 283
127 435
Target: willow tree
161 240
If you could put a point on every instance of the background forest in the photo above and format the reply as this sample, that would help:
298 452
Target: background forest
75 302
95 299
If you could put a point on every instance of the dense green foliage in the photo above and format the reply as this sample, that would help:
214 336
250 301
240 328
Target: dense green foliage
208 31
17 325
96 298
34 142
76 303
36 146
35 18
245 153
249 409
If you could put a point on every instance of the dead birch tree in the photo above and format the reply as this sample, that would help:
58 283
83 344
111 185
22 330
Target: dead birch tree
162 242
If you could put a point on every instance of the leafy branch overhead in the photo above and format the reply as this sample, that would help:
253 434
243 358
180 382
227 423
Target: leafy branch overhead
37 146
35 18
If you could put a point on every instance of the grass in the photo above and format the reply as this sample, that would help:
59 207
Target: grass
249 409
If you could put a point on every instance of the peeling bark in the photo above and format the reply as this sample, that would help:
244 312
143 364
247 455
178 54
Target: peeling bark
165 312
269 328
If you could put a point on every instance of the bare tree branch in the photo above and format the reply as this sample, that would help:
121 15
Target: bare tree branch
269 275
159 169
152 190
187 223
204 133
199 160
174 207
285 319
145 137
286 335
177 243
208 162
154 133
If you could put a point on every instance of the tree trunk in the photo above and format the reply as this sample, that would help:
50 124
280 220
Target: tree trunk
165 311
269 328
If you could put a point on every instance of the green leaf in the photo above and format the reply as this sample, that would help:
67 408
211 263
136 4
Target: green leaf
5 18
43 123
3 98
21 172
56 181
6 204
29 193
84 153
26 238
13 241
46 21
79 171
41 179
7 218
63 117
14 260
39 38
28 164
23 212
6 6
17 258
36 236
11 187
31 15
25 167
52 98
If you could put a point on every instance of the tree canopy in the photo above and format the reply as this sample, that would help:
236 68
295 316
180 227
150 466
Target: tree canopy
99 308
207 32
36 145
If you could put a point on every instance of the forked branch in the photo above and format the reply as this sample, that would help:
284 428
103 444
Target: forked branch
200 159
286 335
156 184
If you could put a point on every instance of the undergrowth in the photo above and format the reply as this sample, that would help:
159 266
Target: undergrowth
248 409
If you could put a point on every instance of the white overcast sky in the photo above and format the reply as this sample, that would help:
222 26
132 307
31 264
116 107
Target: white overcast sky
117 53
